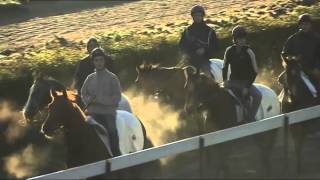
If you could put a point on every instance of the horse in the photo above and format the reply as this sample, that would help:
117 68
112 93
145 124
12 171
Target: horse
218 103
298 93
167 81
39 96
84 145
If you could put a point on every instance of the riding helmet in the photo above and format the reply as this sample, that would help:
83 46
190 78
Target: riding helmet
304 18
92 40
197 9
239 32
97 52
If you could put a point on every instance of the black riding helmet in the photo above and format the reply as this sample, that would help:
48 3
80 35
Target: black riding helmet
92 40
304 18
98 52
239 32
197 9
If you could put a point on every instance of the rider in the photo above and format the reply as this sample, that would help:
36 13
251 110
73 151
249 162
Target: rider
199 41
304 46
244 69
86 67
101 93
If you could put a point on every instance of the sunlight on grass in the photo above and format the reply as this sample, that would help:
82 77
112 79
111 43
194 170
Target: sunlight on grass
7 2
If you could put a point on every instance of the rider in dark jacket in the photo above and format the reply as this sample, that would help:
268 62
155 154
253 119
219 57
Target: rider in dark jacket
86 67
304 46
244 69
199 41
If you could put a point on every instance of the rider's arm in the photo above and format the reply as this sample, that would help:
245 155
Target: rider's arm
254 66
85 96
213 44
186 44
78 76
226 64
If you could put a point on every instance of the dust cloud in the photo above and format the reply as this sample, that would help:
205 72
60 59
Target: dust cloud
159 119
27 162
16 124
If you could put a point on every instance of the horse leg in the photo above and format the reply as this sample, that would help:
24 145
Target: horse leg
219 156
265 144
298 137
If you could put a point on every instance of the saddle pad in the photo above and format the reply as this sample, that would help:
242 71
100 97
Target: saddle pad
216 66
124 104
130 132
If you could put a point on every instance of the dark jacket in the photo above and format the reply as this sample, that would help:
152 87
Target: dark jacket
196 36
86 67
243 65
307 46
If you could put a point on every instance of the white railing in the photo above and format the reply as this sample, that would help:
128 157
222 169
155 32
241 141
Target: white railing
185 145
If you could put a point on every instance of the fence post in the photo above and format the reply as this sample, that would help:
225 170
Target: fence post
108 167
202 156
286 143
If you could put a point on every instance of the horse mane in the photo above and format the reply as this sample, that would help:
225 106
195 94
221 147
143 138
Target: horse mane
148 67
78 110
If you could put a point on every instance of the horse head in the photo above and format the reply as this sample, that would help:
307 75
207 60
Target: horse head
200 89
293 68
163 81
39 96
145 75
60 112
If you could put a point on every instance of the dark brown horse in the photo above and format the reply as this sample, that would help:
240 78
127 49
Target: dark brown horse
297 95
83 144
218 104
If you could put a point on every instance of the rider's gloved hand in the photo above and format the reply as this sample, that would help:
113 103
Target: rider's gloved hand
245 92
200 51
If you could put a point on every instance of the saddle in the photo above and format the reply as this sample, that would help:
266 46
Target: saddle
243 104
101 132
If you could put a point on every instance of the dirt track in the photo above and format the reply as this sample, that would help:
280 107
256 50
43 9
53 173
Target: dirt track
38 22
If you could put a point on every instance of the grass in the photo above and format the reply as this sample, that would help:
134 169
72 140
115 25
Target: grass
8 2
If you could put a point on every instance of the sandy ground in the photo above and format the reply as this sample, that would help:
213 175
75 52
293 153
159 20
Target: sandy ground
38 22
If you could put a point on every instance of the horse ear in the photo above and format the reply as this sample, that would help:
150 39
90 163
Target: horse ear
37 76
64 93
138 68
190 70
53 93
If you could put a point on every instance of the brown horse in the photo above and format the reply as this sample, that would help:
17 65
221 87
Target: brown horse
296 95
164 82
218 104
169 82
83 144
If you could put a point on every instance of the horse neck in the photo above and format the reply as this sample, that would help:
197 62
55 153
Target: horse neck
303 97
77 125
221 109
